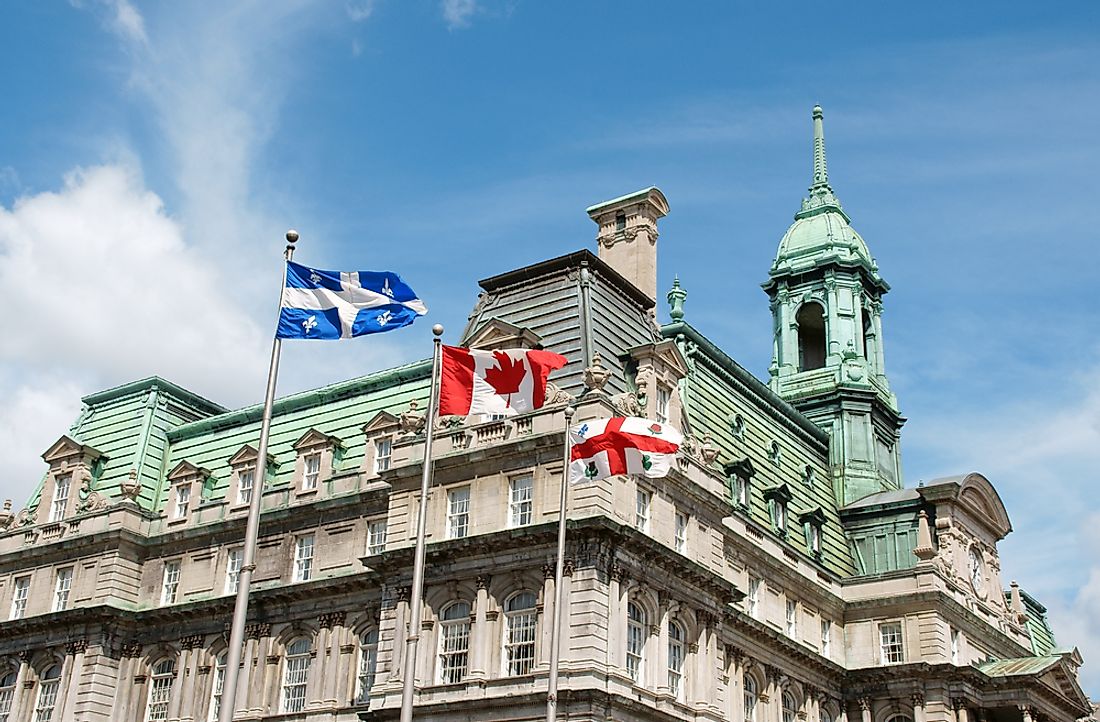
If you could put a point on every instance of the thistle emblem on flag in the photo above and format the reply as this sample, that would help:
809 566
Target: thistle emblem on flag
590 471
309 324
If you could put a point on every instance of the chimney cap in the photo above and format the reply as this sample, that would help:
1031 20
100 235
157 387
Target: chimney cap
651 195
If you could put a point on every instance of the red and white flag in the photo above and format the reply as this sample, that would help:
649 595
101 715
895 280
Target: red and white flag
605 447
495 382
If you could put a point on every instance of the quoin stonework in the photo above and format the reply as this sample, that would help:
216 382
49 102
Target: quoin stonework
783 572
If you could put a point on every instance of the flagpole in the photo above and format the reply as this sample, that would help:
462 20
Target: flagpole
413 636
559 574
252 527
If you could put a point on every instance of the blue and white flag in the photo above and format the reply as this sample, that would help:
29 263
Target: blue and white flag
335 304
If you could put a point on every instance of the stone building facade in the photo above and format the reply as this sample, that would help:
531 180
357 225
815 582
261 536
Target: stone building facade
781 572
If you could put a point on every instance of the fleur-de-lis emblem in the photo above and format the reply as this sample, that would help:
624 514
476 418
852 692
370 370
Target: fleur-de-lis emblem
314 277
582 431
384 318
309 324
386 288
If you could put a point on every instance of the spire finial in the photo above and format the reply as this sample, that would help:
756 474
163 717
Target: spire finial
821 170
676 298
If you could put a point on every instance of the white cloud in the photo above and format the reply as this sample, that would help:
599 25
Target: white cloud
128 22
458 13
360 11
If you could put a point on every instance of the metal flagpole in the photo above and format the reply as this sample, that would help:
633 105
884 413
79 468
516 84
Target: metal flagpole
252 528
559 574
413 636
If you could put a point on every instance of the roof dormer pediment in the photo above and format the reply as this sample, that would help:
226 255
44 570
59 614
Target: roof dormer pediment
742 468
382 421
248 454
496 334
67 448
185 469
314 438
663 354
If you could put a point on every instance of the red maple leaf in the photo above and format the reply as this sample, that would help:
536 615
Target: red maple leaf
506 376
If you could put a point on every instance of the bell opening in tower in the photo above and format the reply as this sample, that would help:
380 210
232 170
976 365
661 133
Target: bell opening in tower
811 337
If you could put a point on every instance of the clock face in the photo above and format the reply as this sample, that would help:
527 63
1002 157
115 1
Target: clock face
977 569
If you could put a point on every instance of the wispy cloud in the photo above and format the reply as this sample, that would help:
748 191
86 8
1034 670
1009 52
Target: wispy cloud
458 13
360 11
128 22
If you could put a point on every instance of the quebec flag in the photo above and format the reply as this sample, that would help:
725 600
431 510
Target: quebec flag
335 304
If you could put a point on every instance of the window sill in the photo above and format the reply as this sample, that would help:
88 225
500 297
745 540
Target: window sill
180 521
301 493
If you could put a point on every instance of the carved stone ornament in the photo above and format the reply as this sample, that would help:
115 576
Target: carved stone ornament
596 376
627 404
451 422
708 452
191 641
258 630
412 421
7 518
130 486
557 395
89 500
28 516
76 646
328 620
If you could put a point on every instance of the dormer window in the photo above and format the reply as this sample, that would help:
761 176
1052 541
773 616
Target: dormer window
812 523
740 475
312 471
383 453
246 480
661 407
778 498
318 454
381 431
187 482
60 497
182 501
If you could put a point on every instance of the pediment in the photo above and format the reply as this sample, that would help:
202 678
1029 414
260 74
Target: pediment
67 447
248 454
382 421
498 334
185 469
781 492
742 468
663 353
973 494
314 438
812 516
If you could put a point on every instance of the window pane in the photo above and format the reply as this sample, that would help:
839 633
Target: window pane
521 507
295 674
458 512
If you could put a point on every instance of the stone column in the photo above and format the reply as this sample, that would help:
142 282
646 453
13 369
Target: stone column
182 698
268 658
961 713
788 357
880 357
547 615
865 709
833 337
74 651
479 631
400 631
918 707
616 620
21 697
663 615
735 698
1025 710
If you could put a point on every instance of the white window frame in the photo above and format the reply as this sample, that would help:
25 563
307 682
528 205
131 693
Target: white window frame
63 584
520 633
680 534
45 700
303 557
170 582
643 500
826 638
245 491
521 500
383 453
454 643
752 696
7 693
637 633
955 646
311 471
297 659
160 690
234 558
891 637
791 617
21 588
788 707
59 504
377 532
676 655
181 501
661 404
814 537
217 685
368 664
753 597
458 512
744 490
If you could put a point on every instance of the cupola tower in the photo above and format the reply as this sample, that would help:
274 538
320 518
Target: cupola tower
827 355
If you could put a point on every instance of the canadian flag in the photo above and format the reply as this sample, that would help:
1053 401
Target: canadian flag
494 382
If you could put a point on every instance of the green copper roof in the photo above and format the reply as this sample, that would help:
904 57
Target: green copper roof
821 231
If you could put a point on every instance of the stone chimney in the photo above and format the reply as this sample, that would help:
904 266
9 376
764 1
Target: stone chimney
627 238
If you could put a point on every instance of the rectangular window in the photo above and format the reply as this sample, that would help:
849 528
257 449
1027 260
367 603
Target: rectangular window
662 405
60 498
641 510
752 599
61 589
954 646
233 560
458 512
520 501
171 584
792 618
890 641
813 538
7 695
376 536
681 537
303 558
47 699
245 481
742 483
826 638
312 472
383 452
19 595
183 501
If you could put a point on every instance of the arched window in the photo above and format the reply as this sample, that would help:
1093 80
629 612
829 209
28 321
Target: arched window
790 709
750 698
825 715
635 640
217 686
675 659
295 674
811 337
899 718
454 642
368 660
7 695
868 335
519 634
47 694
160 690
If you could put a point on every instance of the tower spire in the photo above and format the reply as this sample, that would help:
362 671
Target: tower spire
821 170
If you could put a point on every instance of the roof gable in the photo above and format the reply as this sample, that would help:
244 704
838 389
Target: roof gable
313 438
67 447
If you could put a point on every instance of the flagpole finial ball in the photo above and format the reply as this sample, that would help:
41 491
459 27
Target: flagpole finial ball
569 411
437 329
292 236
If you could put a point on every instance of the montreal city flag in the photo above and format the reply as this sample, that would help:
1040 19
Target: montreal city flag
630 445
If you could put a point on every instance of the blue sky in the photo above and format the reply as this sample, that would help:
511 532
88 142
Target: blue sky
151 156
